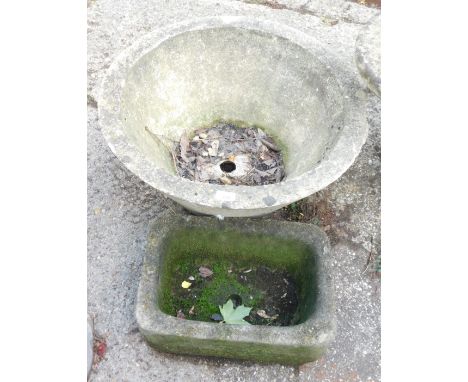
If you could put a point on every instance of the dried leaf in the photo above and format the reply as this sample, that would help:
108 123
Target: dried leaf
329 21
184 146
100 347
213 134
225 179
213 150
205 272
192 310
268 144
263 314
180 314
199 159
261 173
279 176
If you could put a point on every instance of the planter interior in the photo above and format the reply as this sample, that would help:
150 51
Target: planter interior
202 76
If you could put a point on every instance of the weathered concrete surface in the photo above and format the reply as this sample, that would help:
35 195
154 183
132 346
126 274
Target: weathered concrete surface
330 12
90 342
368 54
293 345
121 206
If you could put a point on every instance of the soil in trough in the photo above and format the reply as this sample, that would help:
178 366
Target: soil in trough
271 293
202 268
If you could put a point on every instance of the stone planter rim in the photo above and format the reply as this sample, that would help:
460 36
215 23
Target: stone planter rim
317 331
336 161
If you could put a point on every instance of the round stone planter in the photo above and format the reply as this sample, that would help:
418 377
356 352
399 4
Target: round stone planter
188 75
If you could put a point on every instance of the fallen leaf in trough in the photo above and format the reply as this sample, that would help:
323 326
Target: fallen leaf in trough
186 284
263 314
205 272
233 315
180 314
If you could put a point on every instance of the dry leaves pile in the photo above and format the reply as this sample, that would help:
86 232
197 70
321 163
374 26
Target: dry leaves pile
205 272
257 159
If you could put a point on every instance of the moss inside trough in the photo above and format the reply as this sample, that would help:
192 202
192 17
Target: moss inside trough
266 272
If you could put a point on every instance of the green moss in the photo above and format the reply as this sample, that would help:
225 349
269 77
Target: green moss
263 352
204 295
186 250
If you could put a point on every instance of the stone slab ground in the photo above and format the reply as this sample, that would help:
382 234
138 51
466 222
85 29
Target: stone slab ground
120 208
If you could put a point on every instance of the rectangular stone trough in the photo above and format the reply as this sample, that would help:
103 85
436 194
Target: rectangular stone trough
302 342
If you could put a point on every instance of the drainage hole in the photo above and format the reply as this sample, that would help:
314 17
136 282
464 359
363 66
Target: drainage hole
228 166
